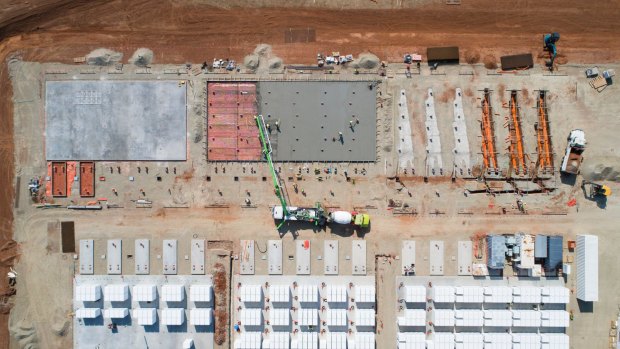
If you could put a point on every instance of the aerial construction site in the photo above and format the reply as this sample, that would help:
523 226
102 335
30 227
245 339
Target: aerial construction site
361 174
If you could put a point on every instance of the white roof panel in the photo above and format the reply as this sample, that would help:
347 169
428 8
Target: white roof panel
305 340
525 318
586 258
116 293
554 318
115 313
248 340
201 316
469 317
554 341
145 316
308 317
336 294
469 294
555 294
411 340
173 316
443 317
444 294
336 317
525 341
251 316
497 294
280 317
364 317
200 293
362 340
365 294
144 293
498 318
172 293
498 340
469 340
87 293
279 293
251 293
277 340
443 340
88 313
526 294
415 294
412 317
308 294
334 340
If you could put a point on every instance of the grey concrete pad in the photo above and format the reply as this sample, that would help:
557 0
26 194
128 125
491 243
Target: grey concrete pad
436 253
143 256
464 257
87 257
274 250
462 157
408 257
246 257
170 253
330 250
358 252
405 142
115 120
302 257
310 115
198 256
115 256
434 162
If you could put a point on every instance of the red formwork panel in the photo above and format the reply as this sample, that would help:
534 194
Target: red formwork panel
87 179
223 119
221 142
229 131
247 131
59 179
221 154
248 142
249 154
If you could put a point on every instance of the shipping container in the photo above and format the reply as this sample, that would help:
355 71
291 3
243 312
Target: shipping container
554 253
496 250
540 250
587 267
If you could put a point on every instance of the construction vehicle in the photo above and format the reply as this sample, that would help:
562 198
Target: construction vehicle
574 150
549 41
595 190
316 214
320 59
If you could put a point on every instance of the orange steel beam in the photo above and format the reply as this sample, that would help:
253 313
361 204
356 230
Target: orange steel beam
544 144
517 134
488 146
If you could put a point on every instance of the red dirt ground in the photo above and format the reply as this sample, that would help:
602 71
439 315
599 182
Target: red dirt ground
180 33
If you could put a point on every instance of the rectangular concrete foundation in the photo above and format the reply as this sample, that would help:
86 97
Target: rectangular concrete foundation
312 114
143 253
115 120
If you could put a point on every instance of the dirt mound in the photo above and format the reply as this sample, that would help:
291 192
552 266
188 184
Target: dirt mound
25 335
490 62
262 49
142 57
275 63
103 56
251 61
601 169
366 61
472 57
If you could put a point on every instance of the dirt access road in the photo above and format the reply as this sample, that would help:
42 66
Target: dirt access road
197 31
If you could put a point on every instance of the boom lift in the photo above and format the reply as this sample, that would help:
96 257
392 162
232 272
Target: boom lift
316 214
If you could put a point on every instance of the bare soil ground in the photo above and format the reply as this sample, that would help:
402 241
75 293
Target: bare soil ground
57 31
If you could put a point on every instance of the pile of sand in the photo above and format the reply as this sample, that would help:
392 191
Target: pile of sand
25 335
103 56
262 60
366 61
601 169
142 57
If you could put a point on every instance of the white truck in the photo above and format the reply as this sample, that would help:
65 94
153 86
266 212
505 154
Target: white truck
574 150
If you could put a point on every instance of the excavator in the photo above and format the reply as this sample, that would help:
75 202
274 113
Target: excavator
549 41
315 215
596 190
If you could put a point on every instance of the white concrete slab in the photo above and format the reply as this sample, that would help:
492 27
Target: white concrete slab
87 257
115 256
405 142
198 256
302 256
434 162
407 257
464 257
274 250
246 257
170 257
143 256
436 254
358 253
462 157
330 251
